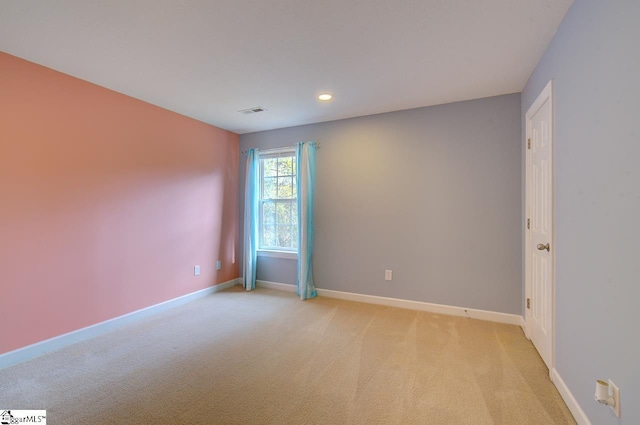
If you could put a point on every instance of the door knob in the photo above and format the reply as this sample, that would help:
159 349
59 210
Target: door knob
542 247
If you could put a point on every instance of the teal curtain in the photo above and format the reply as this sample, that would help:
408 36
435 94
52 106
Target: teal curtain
251 209
306 176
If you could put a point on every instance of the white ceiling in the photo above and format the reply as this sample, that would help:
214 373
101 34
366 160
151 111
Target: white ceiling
207 59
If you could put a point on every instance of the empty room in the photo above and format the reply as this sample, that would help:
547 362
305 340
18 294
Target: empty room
330 212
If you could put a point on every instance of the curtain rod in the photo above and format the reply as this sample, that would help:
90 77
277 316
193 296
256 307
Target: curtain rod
278 149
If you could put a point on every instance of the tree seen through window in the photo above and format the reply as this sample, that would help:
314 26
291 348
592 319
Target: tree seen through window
278 201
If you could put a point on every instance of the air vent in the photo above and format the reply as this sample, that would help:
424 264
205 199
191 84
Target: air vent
253 110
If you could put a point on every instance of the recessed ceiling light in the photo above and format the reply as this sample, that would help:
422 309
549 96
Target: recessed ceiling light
325 96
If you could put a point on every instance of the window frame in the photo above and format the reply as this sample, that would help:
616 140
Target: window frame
275 251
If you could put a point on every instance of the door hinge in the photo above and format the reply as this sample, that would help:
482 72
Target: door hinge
529 303
528 223
529 143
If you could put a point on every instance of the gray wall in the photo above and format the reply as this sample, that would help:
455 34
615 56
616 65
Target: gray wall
595 62
432 193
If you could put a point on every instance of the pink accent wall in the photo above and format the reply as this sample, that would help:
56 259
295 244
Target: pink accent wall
106 204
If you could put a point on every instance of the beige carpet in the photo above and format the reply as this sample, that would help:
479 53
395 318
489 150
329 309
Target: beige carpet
267 358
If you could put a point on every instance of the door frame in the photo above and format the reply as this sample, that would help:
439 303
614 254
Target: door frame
545 95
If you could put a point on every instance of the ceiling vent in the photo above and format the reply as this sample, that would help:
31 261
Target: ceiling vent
253 110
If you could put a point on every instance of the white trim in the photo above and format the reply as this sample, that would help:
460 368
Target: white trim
283 149
575 409
290 255
55 343
492 316
275 285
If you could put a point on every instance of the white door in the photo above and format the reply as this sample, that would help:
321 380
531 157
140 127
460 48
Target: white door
539 249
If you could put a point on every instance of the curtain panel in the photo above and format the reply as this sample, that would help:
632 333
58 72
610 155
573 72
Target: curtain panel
306 160
251 209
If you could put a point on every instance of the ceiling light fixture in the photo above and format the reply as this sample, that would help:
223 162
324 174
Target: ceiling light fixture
325 96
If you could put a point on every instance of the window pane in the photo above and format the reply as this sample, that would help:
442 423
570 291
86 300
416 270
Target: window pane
294 236
284 236
269 188
278 202
268 235
285 166
268 213
285 187
270 166
294 212
284 213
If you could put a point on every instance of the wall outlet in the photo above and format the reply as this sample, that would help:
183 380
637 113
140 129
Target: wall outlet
196 270
388 275
218 265
615 393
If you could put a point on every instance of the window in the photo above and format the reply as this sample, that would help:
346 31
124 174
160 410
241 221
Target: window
278 201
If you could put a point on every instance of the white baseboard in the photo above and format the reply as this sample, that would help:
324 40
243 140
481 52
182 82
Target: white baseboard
492 316
575 409
276 285
55 343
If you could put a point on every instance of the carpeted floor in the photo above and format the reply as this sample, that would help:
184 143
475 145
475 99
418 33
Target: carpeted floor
267 358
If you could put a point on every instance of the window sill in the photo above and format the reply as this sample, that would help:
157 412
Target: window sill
290 255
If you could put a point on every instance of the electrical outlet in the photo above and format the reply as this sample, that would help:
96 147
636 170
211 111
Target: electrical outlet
196 270
388 275
615 393
218 265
